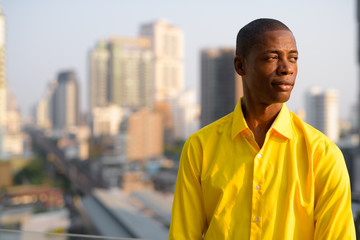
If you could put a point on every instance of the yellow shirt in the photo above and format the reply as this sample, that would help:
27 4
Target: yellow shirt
295 187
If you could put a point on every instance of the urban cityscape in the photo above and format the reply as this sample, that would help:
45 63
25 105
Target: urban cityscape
110 169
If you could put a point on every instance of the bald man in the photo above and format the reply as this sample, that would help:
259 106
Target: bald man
261 172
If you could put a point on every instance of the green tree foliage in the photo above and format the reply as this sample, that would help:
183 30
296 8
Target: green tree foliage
174 151
33 173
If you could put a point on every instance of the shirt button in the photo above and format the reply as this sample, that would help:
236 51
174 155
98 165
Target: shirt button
256 219
259 156
257 187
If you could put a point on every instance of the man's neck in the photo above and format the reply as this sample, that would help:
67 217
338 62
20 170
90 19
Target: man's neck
259 118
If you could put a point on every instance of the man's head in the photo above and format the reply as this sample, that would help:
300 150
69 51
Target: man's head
251 33
266 58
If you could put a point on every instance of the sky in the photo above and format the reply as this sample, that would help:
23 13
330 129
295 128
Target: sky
46 37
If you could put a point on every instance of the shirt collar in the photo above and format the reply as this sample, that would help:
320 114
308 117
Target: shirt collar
282 122
239 124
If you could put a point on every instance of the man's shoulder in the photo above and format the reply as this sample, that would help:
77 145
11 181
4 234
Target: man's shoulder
304 131
217 126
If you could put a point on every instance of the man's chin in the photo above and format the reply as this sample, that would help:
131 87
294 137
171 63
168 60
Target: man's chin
283 98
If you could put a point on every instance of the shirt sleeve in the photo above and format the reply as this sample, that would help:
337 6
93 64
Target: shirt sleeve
188 216
333 213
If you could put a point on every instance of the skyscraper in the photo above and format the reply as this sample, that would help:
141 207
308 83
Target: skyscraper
168 49
221 86
322 111
121 73
3 97
11 138
13 114
99 75
44 108
130 72
65 102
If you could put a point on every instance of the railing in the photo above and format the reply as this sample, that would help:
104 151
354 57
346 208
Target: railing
27 235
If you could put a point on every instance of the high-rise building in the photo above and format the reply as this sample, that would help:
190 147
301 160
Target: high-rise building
11 138
221 86
43 114
65 102
13 114
322 111
168 53
121 73
2 72
130 72
99 74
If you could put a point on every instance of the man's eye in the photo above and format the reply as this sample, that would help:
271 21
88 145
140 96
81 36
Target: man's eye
271 57
294 59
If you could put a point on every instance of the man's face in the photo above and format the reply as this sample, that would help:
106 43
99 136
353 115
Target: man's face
270 69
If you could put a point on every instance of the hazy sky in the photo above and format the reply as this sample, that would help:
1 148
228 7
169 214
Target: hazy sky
45 37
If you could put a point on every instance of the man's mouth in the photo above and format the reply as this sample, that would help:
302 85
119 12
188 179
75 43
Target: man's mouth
284 86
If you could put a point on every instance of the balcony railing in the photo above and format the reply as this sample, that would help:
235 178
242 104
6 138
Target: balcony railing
27 235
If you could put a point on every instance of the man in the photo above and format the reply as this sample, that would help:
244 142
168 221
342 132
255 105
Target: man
261 172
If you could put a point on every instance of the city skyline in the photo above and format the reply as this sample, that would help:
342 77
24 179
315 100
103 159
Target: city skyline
110 85
46 38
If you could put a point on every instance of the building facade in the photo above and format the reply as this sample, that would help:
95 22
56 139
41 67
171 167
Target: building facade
11 137
167 43
322 111
99 75
106 120
186 112
144 135
13 125
65 108
44 108
221 86
121 73
130 72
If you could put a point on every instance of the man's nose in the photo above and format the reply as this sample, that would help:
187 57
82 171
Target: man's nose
285 67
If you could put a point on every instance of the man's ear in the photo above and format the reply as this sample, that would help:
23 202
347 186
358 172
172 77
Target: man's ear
239 64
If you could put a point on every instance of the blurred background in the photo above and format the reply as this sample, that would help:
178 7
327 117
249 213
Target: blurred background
98 97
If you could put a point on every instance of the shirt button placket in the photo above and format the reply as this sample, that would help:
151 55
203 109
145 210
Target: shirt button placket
256 199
